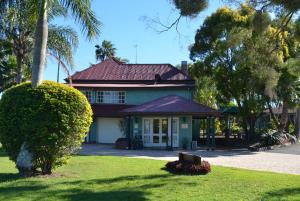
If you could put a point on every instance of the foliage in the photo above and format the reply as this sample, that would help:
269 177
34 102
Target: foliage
260 22
190 8
206 92
123 125
7 66
104 51
52 119
188 168
17 28
247 66
273 137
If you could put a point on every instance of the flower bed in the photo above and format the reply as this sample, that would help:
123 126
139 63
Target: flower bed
188 168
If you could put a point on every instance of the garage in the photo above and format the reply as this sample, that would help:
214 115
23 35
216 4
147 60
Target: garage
108 130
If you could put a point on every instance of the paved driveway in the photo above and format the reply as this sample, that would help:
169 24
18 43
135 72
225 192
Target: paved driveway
284 160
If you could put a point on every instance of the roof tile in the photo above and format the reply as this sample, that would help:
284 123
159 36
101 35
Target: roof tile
110 69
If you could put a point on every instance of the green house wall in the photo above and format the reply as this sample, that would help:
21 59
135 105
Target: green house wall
93 131
185 134
140 96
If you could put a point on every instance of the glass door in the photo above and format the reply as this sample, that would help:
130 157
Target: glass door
175 130
147 132
156 127
164 131
157 132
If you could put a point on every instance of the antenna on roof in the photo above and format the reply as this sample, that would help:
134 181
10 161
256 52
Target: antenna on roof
136 46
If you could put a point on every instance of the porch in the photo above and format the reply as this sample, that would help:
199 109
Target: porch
168 123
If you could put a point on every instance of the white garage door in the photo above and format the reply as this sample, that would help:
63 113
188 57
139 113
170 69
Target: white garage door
108 130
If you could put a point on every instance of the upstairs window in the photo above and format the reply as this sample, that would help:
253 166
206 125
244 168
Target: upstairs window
88 95
114 97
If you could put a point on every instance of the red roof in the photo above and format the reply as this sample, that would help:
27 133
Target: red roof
171 105
89 85
111 69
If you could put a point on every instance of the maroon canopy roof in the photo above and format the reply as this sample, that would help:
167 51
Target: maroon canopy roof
111 69
109 110
171 105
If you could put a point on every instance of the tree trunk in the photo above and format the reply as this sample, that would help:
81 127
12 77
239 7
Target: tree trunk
40 46
47 169
273 115
284 116
19 69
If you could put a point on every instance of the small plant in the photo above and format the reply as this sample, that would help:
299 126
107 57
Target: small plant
123 125
274 137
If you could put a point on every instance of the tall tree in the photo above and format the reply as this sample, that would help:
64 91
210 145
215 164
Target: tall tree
104 51
18 18
80 9
242 63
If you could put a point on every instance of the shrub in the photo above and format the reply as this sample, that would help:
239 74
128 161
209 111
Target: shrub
273 137
51 119
188 168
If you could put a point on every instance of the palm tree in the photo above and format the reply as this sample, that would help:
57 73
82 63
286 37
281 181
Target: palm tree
104 51
62 41
42 10
80 9
18 29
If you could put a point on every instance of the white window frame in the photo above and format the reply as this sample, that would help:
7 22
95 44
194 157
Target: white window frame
148 137
88 94
111 97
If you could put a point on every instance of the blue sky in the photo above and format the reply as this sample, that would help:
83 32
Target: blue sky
123 24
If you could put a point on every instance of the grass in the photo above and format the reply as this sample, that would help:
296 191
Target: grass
116 178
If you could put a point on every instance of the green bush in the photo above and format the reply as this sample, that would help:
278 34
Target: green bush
274 137
51 119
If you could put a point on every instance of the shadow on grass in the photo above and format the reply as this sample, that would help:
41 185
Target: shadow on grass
2 153
4 177
283 194
131 187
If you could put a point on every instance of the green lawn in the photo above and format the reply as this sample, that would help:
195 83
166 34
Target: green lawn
117 178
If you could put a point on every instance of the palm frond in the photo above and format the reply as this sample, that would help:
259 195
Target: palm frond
56 10
62 42
81 10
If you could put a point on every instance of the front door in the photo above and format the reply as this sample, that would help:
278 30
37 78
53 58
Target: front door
157 132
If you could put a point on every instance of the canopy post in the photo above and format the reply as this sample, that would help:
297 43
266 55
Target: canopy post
172 133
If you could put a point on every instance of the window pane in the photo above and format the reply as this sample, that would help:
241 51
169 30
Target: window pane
155 139
165 126
164 139
88 95
116 97
147 139
147 126
155 125
175 126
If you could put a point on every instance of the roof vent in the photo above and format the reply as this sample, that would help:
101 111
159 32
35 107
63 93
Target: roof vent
157 78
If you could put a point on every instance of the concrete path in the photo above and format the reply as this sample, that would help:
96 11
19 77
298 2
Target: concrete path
284 160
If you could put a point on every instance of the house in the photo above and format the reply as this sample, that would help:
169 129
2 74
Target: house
155 101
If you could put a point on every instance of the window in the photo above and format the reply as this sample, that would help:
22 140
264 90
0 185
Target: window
155 125
146 126
175 126
165 126
116 97
88 95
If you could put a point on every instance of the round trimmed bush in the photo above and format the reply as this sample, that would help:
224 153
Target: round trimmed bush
52 120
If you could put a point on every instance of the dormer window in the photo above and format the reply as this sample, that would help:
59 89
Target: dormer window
112 97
